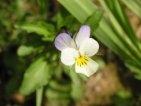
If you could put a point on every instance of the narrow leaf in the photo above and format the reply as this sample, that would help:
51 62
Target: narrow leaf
79 8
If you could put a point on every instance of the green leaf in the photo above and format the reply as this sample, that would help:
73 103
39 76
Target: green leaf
40 28
68 20
120 22
54 94
58 90
60 86
134 5
134 69
25 50
42 6
35 76
84 11
77 8
94 19
122 98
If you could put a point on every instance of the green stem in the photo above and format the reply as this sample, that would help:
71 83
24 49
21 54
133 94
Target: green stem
39 94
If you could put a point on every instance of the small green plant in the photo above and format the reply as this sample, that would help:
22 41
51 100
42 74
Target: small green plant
30 62
114 31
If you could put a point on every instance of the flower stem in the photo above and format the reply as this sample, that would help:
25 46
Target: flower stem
39 94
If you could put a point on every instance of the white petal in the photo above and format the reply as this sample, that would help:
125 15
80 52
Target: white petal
83 34
68 56
88 69
63 40
89 47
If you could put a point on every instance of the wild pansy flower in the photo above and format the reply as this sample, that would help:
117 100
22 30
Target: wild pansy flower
78 51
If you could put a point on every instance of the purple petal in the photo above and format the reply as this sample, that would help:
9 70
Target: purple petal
63 40
83 34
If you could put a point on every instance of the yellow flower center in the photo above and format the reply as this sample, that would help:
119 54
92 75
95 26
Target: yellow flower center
81 60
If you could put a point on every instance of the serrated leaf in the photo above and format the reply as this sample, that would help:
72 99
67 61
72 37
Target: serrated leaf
36 76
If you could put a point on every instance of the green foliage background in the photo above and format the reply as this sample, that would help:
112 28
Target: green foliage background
32 63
